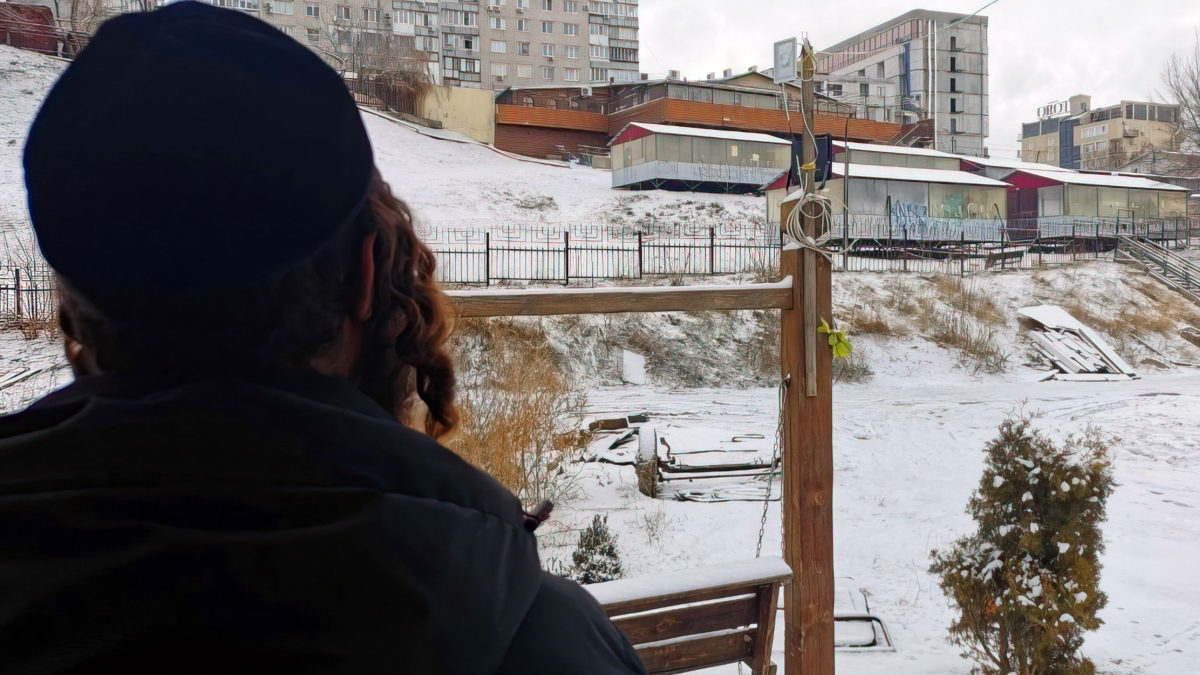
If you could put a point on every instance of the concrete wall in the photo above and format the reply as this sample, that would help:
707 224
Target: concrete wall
467 111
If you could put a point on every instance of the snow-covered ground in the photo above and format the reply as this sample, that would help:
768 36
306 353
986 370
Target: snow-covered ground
908 452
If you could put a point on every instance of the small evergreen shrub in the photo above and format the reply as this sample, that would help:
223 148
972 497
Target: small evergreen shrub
1026 583
596 558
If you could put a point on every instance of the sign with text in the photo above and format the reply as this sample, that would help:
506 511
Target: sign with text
1055 109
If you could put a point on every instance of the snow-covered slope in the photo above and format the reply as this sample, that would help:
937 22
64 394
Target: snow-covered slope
448 184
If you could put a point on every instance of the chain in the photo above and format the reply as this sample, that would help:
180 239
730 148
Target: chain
775 464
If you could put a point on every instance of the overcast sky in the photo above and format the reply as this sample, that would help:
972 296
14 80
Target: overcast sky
1040 50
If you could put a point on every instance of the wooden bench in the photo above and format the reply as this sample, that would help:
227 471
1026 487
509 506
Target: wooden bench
701 617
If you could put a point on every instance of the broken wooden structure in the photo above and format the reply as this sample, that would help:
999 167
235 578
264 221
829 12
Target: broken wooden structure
1079 353
699 618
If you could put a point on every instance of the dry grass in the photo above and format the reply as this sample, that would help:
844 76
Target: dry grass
966 298
864 320
975 341
519 410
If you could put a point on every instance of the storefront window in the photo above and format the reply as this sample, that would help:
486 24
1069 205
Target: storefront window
1112 201
1081 200
1144 203
1172 204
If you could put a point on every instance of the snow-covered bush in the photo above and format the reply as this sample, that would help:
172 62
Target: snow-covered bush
596 558
1026 582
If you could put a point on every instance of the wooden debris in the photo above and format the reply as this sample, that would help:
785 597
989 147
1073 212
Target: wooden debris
1079 353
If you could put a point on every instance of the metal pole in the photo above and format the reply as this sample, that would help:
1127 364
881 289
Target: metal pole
566 258
962 253
17 289
639 254
487 258
712 251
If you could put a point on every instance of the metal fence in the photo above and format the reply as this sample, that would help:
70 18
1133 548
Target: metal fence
554 254
562 254
27 294
968 246
384 94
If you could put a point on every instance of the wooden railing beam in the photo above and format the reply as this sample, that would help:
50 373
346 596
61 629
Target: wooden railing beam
551 301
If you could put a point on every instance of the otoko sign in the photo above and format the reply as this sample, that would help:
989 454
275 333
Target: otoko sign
1054 109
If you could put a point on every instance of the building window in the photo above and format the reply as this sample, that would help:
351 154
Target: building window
312 10
953 126
547 72
864 90
470 18
523 25
314 35
571 6
862 73
522 49
953 64
571 51
370 15
570 29
953 84
953 105
571 74
499 47
468 43
599 74
284 8
450 17
953 43
499 69
879 70
548 50
522 4
547 26
497 23
343 12
525 72
599 52
598 29
548 5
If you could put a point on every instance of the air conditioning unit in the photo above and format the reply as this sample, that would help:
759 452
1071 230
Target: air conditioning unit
712 76
549 58
673 75
728 72
500 78
267 7
585 91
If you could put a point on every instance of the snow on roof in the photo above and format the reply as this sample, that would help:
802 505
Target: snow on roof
1102 180
895 150
915 175
697 132
1002 163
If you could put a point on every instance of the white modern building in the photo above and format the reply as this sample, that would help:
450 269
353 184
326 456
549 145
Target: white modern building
662 156
919 65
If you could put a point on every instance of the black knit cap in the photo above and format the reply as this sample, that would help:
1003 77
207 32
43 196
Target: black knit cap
192 149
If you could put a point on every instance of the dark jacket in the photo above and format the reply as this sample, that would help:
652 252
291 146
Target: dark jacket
286 525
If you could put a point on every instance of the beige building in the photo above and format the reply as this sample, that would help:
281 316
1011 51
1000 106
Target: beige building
1073 135
488 44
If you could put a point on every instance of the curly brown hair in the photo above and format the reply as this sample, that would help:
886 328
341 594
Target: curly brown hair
288 321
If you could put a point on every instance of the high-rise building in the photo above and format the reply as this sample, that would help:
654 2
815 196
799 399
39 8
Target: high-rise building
490 44
921 65
1073 135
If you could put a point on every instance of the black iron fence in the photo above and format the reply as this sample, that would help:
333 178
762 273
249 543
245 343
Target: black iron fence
558 254
383 93
27 294
555 254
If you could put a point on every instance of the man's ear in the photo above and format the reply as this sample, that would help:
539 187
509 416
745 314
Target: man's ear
365 293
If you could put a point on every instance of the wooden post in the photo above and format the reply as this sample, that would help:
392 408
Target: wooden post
806 364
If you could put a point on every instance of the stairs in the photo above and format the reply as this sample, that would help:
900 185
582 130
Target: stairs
1169 268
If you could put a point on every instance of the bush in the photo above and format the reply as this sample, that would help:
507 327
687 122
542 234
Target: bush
596 558
519 411
1026 583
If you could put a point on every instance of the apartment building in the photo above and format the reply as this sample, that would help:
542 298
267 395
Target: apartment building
1072 135
489 44
919 65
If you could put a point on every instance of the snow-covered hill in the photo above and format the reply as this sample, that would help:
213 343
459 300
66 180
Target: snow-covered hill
447 183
